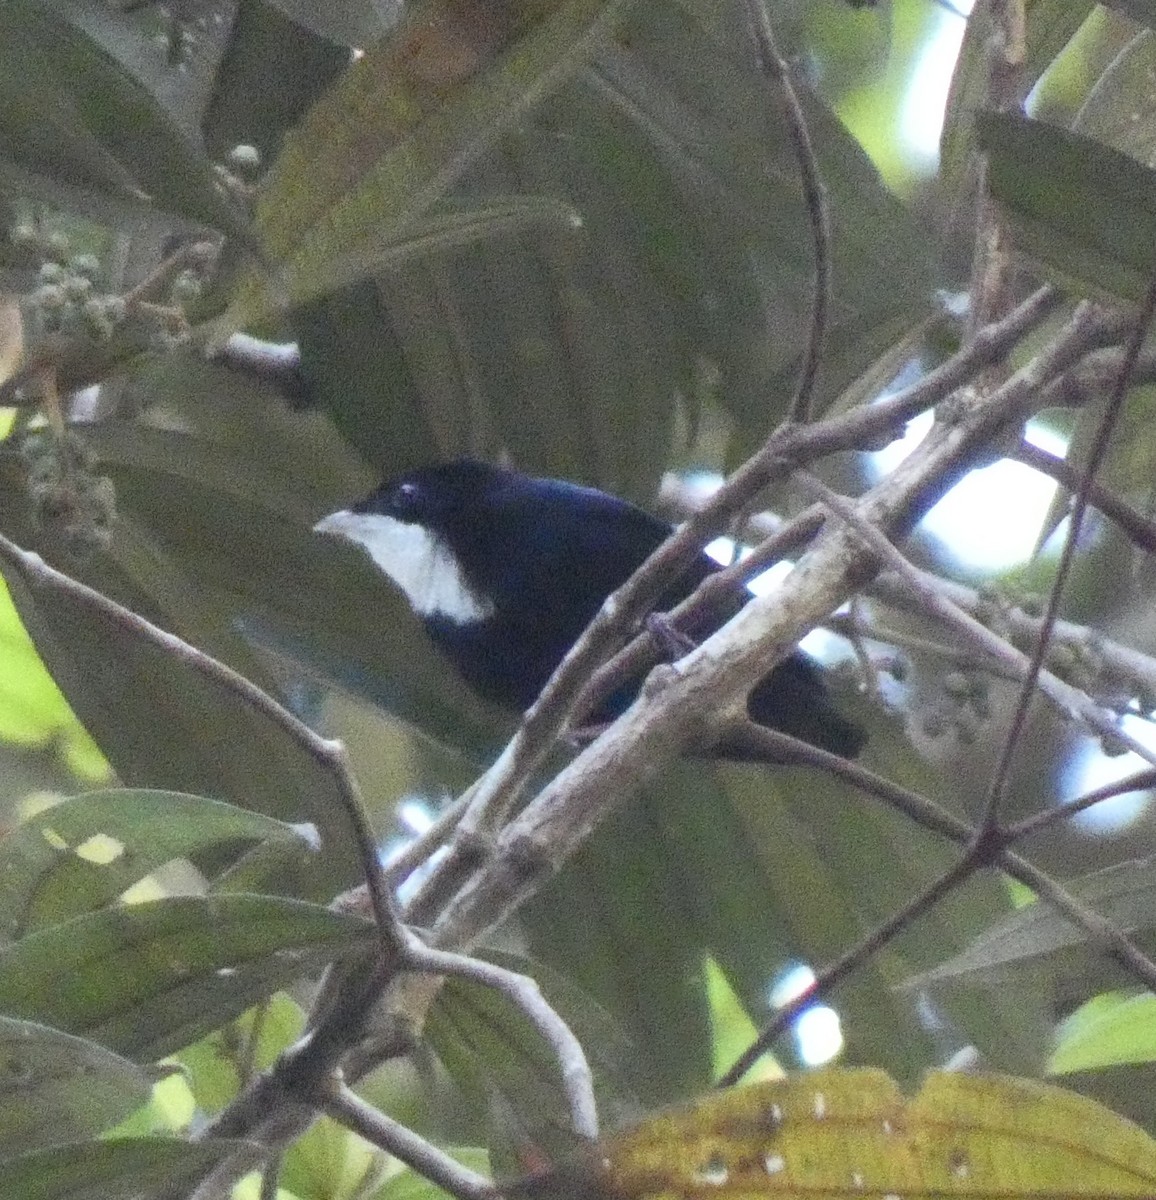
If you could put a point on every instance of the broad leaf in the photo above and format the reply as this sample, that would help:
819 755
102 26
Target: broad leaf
1106 1031
835 1133
1086 211
81 854
1050 25
72 112
55 1087
141 1168
146 979
1040 934
400 127
159 721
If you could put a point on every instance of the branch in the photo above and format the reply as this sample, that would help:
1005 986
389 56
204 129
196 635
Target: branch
715 678
521 990
1123 663
814 195
1140 781
348 1109
1070 701
1134 524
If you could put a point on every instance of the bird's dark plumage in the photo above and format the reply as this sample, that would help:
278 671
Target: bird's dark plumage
506 571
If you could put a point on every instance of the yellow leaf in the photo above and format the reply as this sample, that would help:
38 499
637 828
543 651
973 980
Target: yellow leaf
835 1134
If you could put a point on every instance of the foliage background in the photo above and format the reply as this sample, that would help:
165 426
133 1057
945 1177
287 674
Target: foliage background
615 287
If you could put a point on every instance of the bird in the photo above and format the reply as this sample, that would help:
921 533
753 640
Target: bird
506 570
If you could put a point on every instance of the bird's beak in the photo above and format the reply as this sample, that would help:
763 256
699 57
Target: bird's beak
339 524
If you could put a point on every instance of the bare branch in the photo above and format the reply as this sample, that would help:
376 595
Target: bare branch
1140 781
1067 556
347 1108
521 990
814 195
1134 524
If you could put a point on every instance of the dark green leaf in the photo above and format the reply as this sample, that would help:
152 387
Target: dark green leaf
146 979
163 724
1086 211
48 873
217 1065
1039 935
120 1169
1050 25
55 1087
1143 11
1126 90
402 125
91 122
490 1049
271 72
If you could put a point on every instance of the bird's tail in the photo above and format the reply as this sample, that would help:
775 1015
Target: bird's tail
794 699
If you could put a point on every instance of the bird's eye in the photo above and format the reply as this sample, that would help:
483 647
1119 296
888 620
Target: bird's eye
405 497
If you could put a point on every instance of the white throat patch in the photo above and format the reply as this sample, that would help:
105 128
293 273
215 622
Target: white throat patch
416 561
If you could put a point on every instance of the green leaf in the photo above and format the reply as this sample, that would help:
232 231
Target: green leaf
272 70
399 128
1106 1031
837 1132
50 870
217 507
445 232
122 1169
1126 89
1040 935
72 112
146 979
159 721
1085 211
55 1087
1050 25
489 1048
217 1064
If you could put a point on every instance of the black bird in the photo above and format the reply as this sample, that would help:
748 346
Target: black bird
506 571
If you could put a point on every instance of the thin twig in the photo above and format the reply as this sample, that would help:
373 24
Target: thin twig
218 1184
325 751
778 72
270 1178
1135 525
521 990
847 963
1070 701
1102 932
347 1108
1096 454
778 747
980 852
1121 663
190 254
415 853
1048 817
